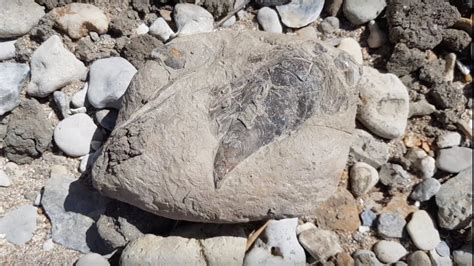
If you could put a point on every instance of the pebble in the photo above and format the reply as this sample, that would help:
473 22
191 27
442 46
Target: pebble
454 159
92 259
108 80
74 134
443 249
7 50
308 33
391 225
367 148
320 244
394 176
4 179
359 12
389 251
78 100
363 177
37 201
303 227
106 118
329 25
368 217
419 258
421 108
377 38
299 13
422 231
191 19
268 19
62 103
352 47
454 201
449 139
142 29
385 107
12 78
78 19
18 17
19 224
463 256
281 237
365 257
161 29
53 67
437 260
425 190
48 245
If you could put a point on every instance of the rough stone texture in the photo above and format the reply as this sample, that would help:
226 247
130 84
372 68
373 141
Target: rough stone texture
366 258
448 95
192 19
73 207
18 17
218 8
53 67
78 19
139 49
88 50
394 176
299 13
433 72
455 40
391 225
245 141
361 11
454 201
422 231
454 159
367 148
404 60
29 132
12 77
321 244
420 23
19 224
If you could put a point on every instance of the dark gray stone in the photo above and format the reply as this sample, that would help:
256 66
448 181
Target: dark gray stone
425 190
395 177
390 225
433 72
404 60
365 258
448 95
368 217
455 40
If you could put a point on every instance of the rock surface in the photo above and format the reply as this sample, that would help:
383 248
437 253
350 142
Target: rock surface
53 67
7 50
192 19
214 167
404 60
299 13
74 135
391 225
384 109
449 139
366 257
425 190
269 20
359 12
19 224
18 17
12 78
422 231
321 244
454 159
367 148
419 258
389 251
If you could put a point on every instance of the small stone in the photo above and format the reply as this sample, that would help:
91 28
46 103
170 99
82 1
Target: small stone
321 244
192 19
404 60
108 80
421 108
360 12
161 29
352 47
368 149
7 50
455 40
74 134
385 104
18 17
19 224
437 260
142 29
463 256
426 166
338 213
62 103
443 249
106 118
391 225
78 19
332 7
12 78
4 179
92 259
368 217
303 227
449 139
329 25
365 257
389 251
299 13
425 190
37 201
394 176
377 37
53 67
422 231
448 95
450 67
268 19
229 22
419 258
308 32
454 159
48 245
344 259
363 177
79 98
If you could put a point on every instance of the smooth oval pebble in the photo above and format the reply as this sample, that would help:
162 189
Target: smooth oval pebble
422 231
268 19
299 13
425 190
455 159
363 177
389 251
92 259
419 258
448 139
74 134
352 47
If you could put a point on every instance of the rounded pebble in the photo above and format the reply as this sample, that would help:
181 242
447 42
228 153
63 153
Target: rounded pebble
363 178
422 231
74 135
268 19
92 259
389 251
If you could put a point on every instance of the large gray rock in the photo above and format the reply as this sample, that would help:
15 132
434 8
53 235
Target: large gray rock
18 17
299 13
12 77
263 117
19 224
454 201
73 209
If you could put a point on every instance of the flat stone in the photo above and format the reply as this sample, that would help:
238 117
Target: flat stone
421 108
299 13
365 257
108 80
4 179
425 190
281 246
367 148
12 78
419 258
454 201
320 244
385 104
78 19
391 225
73 207
90 259
352 47
422 231
18 17
53 67
454 159
74 135
167 125
360 12
19 224
7 50
192 19
329 25
161 29
269 20
363 177
389 251
449 139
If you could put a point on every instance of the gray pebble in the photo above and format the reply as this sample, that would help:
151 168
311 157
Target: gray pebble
161 29
7 50
191 19
421 108
422 231
419 258
12 77
363 177
425 190
437 260
391 225
268 19
79 98
62 103
389 251
454 159
368 217
367 148
443 249
359 12
92 259
394 176
463 256
74 135
365 257
449 139
299 13
329 25
19 224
